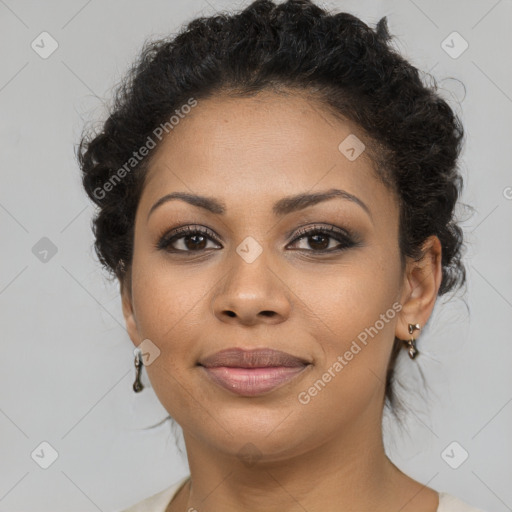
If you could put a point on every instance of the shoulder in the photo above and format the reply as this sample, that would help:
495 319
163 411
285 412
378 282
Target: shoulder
449 503
158 502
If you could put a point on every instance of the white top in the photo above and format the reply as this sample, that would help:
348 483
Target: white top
159 502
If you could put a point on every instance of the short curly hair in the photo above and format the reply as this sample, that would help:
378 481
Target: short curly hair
414 137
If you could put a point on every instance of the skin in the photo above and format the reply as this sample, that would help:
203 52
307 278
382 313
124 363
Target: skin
328 454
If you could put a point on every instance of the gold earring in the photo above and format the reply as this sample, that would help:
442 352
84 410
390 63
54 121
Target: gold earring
413 351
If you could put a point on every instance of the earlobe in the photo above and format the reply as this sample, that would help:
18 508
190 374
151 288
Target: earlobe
129 316
422 280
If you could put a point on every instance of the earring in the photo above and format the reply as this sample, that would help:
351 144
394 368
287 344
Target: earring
137 385
413 351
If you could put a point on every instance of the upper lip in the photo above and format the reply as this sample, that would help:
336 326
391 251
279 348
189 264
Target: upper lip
254 358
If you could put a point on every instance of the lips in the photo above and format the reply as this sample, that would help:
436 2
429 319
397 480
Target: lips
252 372
255 358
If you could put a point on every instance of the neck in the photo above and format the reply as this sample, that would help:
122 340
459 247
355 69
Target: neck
349 471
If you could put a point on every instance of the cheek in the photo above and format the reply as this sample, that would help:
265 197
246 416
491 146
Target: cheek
172 310
355 330
167 296
351 313
351 296
169 306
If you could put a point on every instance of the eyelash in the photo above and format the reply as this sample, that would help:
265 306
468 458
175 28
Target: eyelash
343 237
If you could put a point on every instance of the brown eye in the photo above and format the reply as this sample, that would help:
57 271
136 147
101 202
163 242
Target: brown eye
187 239
319 241
323 239
192 242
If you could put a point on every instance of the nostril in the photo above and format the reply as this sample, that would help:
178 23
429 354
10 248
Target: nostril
268 313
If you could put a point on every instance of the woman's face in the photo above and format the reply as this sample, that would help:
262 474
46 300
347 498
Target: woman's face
254 281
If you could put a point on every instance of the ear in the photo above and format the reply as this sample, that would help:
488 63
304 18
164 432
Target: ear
129 315
422 280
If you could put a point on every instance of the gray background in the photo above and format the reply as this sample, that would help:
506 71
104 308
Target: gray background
67 362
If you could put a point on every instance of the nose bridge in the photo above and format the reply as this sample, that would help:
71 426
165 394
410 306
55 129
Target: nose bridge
250 288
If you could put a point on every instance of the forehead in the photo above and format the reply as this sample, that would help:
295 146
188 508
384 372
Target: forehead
269 144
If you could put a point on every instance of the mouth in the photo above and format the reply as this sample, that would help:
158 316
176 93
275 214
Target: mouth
252 372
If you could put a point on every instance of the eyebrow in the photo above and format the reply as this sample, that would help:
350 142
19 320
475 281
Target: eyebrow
282 207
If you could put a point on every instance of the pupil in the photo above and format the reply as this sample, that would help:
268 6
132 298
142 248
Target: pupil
315 244
194 245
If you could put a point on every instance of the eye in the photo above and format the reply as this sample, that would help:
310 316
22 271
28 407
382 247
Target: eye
196 238
187 239
320 239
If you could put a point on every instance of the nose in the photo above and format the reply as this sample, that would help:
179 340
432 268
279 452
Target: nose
252 293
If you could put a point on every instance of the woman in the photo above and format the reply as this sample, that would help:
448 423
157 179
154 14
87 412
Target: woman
276 193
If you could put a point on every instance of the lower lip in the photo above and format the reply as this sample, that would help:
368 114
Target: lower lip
252 381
